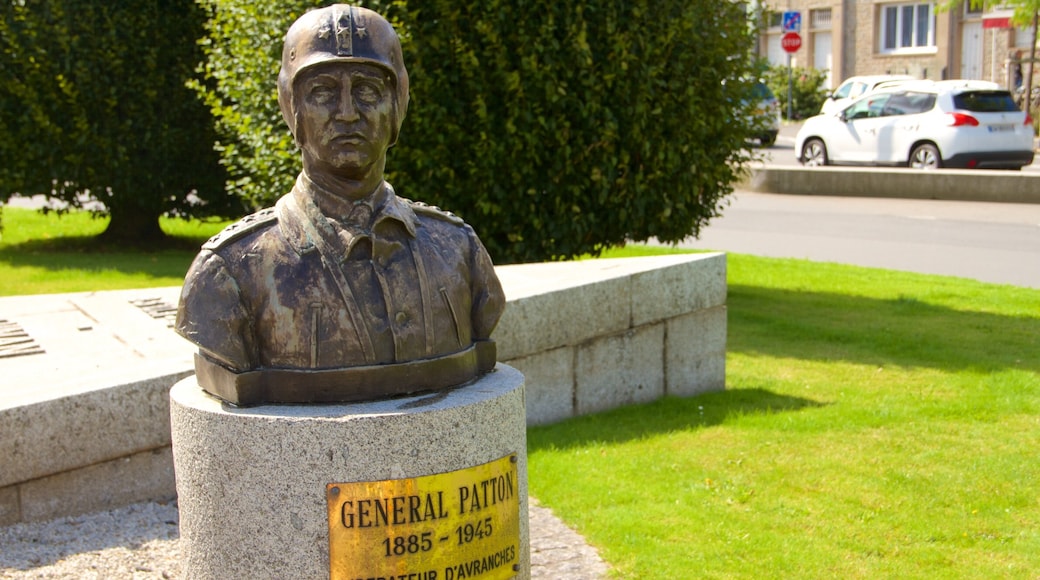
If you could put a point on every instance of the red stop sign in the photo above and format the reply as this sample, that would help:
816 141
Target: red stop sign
791 42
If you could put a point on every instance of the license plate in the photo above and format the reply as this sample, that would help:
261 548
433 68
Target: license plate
1000 128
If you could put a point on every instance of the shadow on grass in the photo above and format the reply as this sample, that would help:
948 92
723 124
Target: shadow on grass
666 415
818 326
87 244
905 332
88 254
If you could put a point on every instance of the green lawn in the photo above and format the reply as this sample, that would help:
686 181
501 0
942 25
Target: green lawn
44 254
876 424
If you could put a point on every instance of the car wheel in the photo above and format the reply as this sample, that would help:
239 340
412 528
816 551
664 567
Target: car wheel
925 156
767 140
814 153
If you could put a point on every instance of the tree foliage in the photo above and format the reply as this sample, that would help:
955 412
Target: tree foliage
243 48
94 100
555 128
1023 9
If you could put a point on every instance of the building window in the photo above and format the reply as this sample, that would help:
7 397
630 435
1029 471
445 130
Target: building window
907 26
1023 37
774 23
774 20
820 18
821 44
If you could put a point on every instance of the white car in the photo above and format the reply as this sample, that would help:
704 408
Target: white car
925 125
855 87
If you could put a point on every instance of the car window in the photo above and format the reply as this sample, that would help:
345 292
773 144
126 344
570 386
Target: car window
909 103
867 108
897 104
921 102
857 89
985 101
843 91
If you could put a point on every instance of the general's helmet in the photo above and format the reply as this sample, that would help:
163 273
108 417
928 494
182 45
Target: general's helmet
341 33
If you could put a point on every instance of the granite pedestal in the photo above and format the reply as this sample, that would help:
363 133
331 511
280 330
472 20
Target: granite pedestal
252 483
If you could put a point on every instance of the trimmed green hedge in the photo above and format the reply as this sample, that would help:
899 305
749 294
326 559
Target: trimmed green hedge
554 128
94 97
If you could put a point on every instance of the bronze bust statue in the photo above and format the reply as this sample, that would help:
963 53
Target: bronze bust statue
343 291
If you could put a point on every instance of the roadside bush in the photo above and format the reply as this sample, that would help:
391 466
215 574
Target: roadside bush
807 91
554 128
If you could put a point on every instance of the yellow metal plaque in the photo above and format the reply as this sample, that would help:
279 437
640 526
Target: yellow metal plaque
458 525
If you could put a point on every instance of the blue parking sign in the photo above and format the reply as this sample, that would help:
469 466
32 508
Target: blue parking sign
792 21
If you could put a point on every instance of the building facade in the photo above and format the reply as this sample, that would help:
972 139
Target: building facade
869 37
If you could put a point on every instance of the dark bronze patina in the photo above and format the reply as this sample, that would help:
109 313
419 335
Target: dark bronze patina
343 291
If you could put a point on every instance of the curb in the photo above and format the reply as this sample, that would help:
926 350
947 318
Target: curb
944 184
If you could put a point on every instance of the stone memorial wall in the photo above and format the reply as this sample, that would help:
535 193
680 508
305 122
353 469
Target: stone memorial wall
85 406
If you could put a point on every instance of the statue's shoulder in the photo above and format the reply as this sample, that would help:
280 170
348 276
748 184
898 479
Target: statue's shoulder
241 228
433 211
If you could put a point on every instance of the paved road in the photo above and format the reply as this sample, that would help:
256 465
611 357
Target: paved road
992 242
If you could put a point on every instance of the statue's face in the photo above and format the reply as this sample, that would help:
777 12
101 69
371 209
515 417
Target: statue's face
345 114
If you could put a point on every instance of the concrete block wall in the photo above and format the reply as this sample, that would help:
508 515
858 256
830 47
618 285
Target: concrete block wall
84 453
84 425
614 332
85 422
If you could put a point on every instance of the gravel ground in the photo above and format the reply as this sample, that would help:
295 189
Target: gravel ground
141 542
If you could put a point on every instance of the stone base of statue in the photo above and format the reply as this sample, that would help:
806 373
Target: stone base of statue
427 487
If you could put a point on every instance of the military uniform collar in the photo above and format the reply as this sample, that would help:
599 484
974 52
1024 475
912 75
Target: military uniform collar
336 206
301 204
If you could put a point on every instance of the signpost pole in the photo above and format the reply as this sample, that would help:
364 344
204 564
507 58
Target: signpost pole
790 90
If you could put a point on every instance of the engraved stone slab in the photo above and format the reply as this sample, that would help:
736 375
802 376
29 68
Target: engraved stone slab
157 308
14 341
